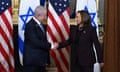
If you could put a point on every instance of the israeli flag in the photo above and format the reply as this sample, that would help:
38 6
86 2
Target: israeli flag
90 6
26 12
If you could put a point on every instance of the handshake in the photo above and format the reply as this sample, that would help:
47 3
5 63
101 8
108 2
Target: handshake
55 45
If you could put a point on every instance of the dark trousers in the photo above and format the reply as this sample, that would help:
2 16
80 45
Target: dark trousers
80 68
34 69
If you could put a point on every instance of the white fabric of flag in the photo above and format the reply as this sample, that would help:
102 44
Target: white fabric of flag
90 6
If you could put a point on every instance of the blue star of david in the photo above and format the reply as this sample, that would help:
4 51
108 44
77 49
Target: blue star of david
92 14
25 17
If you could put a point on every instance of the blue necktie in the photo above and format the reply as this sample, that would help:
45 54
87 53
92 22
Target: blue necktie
42 28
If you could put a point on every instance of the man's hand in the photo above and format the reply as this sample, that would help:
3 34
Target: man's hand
55 45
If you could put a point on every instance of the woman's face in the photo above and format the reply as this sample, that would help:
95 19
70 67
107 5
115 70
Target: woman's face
78 18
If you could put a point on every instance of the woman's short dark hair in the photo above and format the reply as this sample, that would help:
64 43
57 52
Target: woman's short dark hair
85 17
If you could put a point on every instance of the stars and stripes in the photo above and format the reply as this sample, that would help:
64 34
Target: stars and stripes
58 31
6 37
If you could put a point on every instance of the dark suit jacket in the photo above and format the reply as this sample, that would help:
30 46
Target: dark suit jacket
81 42
36 46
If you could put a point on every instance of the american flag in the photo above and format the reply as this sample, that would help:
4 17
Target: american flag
58 31
6 37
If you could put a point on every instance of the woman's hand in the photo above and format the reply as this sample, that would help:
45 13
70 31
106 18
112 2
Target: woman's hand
101 65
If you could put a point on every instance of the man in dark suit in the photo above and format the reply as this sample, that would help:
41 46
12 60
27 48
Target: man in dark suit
36 46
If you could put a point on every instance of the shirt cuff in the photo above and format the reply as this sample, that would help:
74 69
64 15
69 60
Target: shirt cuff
52 46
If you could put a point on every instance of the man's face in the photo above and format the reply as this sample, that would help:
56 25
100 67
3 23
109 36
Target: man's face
43 16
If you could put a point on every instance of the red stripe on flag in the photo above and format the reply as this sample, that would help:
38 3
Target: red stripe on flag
64 59
10 11
2 69
51 34
7 41
6 56
68 11
68 49
8 25
55 24
56 60
65 23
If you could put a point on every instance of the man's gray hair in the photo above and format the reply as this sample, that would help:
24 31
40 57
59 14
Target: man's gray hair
39 10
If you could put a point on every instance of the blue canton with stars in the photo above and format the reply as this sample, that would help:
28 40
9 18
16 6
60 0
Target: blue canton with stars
60 5
4 4
92 14
25 17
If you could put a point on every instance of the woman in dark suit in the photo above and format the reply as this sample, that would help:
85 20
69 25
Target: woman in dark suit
81 40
